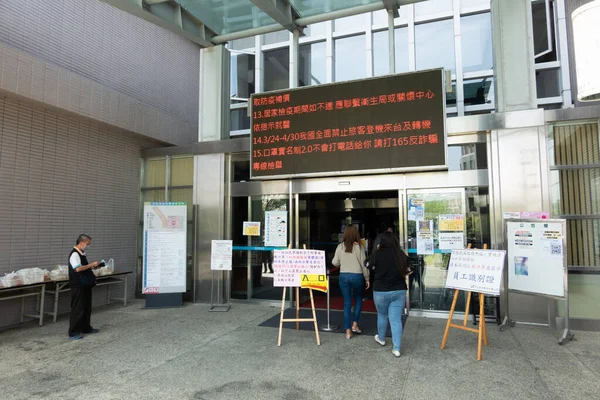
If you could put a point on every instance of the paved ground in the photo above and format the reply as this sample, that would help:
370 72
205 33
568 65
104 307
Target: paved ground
189 353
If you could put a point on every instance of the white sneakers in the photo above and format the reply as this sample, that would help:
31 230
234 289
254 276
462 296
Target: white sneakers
381 342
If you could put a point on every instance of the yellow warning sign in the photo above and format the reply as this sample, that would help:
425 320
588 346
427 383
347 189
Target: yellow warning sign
314 281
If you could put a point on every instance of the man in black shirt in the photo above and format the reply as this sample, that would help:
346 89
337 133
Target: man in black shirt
81 281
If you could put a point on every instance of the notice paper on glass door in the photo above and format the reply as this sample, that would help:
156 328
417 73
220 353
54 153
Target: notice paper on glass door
425 237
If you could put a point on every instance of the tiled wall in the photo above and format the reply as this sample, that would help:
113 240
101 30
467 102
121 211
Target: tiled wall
61 176
90 58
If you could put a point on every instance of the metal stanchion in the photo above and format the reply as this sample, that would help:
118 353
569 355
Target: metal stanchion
328 327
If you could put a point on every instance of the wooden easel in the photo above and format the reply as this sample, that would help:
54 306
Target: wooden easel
481 331
297 320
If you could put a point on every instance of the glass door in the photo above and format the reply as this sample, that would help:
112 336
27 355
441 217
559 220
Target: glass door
437 219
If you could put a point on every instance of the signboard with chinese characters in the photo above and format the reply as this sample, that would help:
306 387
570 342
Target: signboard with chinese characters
221 255
452 223
316 282
536 256
395 122
476 271
165 257
289 265
251 228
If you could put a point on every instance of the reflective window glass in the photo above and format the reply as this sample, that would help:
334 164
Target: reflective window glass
467 4
242 44
465 157
239 119
451 97
541 22
353 23
479 91
312 64
476 36
547 82
350 58
434 44
276 37
381 53
401 49
432 7
242 75
277 69
380 17
316 29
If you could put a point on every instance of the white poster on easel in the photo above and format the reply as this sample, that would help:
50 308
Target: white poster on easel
165 243
289 265
476 271
276 228
536 257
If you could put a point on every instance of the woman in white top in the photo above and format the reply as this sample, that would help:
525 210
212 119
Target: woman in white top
354 276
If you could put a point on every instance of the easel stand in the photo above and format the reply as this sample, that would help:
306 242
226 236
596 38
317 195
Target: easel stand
224 305
297 320
482 331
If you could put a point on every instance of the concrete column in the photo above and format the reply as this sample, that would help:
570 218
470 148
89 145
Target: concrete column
213 113
514 69
392 42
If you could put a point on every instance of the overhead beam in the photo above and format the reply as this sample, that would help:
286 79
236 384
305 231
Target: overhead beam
168 16
281 11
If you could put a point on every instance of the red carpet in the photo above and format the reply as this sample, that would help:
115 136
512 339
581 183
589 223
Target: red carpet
337 303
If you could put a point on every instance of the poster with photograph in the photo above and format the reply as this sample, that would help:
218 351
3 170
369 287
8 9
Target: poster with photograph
536 257
416 209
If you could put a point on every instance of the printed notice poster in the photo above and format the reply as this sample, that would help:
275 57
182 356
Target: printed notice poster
289 265
276 228
452 223
476 271
221 255
165 242
416 209
251 228
425 237
451 241
316 282
536 258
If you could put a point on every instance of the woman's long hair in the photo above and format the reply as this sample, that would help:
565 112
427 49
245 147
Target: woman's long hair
351 236
389 240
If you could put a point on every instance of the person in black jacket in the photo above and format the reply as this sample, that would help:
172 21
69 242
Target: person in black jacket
81 281
390 266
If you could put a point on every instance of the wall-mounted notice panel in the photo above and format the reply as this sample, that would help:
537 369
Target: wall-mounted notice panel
384 124
537 260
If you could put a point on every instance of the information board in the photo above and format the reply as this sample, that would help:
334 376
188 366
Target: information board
476 271
221 255
165 253
289 265
536 256
395 122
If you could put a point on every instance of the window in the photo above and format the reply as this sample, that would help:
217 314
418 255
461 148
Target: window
434 44
401 49
242 44
476 36
547 82
349 24
312 64
451 97
465 157
277 69
276 37
381 53
350 58
319 29
465 5
479 91
239 119
544 43
242 75
380 18
432 7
